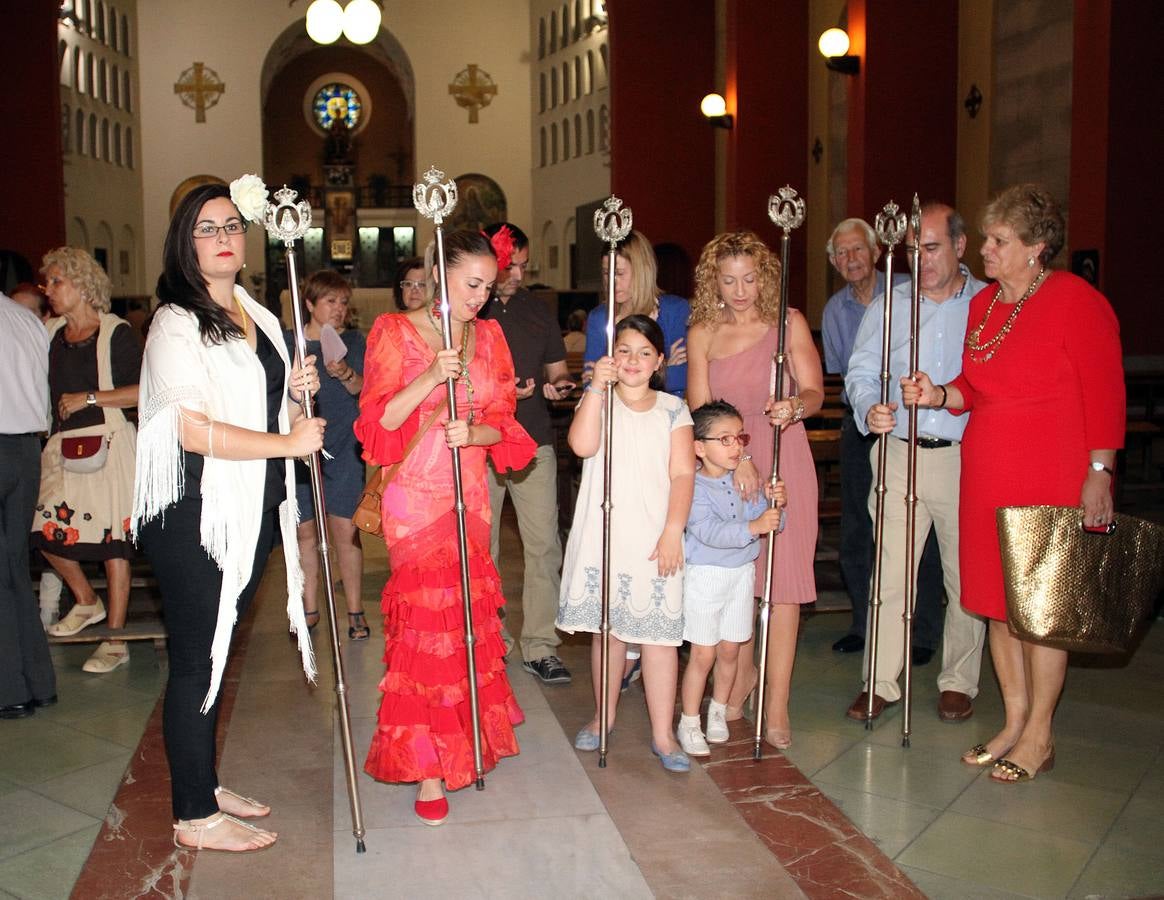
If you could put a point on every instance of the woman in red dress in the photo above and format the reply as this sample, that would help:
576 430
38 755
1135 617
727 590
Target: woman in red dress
1042 377
424 732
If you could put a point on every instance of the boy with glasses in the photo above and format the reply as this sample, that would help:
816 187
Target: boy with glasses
720 548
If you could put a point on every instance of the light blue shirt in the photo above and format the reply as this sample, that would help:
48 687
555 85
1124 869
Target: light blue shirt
840 322
717 526
941 335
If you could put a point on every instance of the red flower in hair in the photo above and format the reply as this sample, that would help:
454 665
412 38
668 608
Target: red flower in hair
503 246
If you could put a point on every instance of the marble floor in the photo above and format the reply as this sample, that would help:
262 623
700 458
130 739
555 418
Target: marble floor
845 813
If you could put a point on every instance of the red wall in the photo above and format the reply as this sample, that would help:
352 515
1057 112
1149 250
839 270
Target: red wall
31 173
662 63
767 69
904 104
1115 194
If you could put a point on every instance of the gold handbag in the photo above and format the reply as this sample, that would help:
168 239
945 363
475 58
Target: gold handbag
1075 589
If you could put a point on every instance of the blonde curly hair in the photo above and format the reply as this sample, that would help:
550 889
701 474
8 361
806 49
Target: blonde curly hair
706 306
84 272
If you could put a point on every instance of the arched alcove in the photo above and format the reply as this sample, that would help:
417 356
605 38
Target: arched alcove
293 148
76 234
368 165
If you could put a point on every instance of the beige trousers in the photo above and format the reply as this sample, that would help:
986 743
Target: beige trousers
963 634
534 492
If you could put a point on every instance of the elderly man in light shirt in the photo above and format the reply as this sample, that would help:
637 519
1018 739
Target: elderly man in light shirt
27 680
946 288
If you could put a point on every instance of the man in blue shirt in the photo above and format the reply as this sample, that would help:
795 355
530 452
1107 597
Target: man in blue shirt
946 289
854 252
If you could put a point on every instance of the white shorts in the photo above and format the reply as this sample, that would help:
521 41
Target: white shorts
718 604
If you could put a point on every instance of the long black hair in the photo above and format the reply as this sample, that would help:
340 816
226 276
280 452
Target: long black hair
181 282
648 328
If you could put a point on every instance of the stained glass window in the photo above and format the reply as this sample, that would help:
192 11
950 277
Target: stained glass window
337 101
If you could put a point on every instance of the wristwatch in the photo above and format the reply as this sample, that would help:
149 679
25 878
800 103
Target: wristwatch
1100 467
90 399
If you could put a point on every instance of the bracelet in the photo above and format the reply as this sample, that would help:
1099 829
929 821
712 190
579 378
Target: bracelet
747 457
590 388
350 377
942 405
799 414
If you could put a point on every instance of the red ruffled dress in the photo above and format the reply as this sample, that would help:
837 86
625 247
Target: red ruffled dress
424 728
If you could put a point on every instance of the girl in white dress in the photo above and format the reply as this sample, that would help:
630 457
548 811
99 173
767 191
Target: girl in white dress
652 483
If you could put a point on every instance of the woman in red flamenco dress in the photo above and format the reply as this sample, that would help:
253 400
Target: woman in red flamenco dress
424 731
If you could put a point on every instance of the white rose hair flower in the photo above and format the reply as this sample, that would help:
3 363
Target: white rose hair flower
249 194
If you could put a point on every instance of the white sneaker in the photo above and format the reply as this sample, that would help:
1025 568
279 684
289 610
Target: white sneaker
691 739
106 658
717 729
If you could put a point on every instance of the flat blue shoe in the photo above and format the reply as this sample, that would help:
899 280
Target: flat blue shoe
673 762
588 740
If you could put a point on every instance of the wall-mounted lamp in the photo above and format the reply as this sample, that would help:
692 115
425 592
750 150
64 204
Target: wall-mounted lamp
834 47
359 21
714 109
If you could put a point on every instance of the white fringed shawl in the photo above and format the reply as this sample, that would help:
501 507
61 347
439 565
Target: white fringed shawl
225 382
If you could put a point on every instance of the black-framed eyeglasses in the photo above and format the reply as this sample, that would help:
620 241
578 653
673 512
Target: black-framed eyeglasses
730 440
412 285
210 230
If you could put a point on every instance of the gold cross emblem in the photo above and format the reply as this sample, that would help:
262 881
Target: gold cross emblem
473 89
200 89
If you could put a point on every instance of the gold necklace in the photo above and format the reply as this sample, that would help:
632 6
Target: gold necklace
973 339
462 355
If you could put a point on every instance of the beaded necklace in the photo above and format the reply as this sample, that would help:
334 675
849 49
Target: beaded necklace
462 355
973 340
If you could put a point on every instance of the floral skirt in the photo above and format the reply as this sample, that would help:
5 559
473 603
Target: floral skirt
85 517
424 727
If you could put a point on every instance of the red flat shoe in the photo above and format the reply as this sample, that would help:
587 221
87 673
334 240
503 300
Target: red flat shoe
432 812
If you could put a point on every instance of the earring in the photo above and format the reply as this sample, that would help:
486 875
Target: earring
720 305
1030 262
244 265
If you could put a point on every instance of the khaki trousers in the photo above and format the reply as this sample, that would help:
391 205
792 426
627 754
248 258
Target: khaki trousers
963 634
534 492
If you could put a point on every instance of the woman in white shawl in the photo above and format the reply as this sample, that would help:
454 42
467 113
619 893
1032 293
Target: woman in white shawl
214 489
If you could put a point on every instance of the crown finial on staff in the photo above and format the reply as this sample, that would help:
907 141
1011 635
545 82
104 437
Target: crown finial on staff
286 218
612 221
890 225
434 198
786 209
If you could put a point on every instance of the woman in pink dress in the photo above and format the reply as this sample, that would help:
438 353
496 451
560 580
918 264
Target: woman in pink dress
731 351
423 732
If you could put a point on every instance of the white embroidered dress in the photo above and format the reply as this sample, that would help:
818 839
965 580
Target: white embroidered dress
226 383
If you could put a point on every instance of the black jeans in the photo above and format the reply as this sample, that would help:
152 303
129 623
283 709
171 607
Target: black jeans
857 544
190 582
26 670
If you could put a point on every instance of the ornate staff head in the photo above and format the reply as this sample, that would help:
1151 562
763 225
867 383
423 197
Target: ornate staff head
287 218
786 209
435 198
612 221
432 198
890 225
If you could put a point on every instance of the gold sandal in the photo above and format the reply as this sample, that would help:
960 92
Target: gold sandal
219 791
1014 773
200 829
982 756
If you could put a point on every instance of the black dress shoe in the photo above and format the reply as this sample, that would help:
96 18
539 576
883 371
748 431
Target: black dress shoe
921 655
850 643
17 710
47 701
